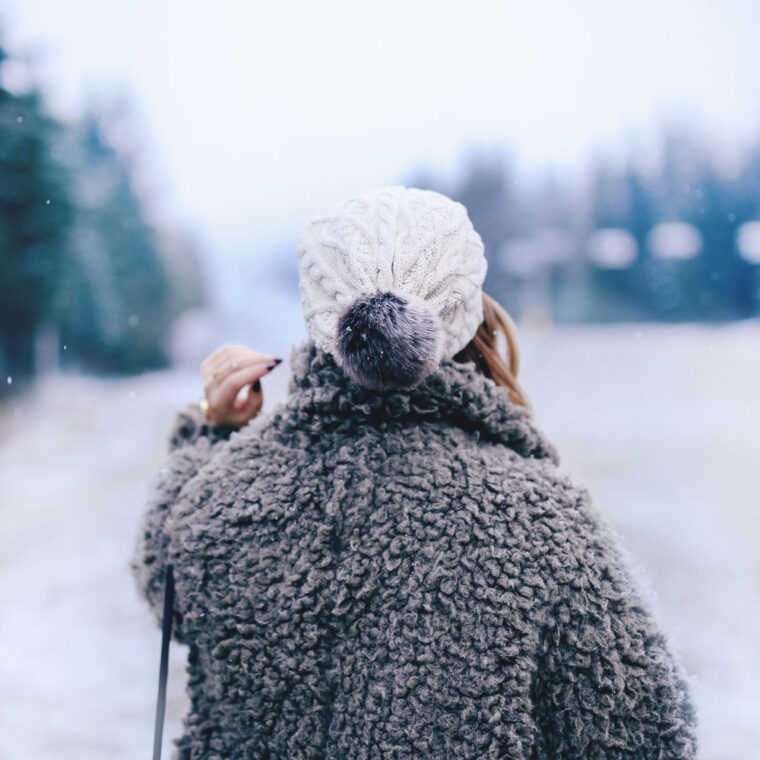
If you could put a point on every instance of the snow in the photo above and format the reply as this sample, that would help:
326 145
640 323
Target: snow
660 422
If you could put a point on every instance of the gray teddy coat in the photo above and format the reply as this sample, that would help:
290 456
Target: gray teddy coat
401 575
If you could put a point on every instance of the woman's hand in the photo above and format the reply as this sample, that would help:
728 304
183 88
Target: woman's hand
225 372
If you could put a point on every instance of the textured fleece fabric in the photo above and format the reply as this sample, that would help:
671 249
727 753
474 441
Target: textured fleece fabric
402 575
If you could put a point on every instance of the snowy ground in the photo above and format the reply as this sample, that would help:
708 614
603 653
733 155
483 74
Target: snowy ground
659 421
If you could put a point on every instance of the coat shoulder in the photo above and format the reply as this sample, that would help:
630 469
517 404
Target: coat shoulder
537 505
536 494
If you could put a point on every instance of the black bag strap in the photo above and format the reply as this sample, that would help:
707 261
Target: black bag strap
166 634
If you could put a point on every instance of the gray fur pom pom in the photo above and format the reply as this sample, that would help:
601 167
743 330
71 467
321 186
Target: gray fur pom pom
386 342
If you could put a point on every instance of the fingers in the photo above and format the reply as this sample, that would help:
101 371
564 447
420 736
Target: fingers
226 391
213 381
230 357
249 404
225 361
228 401
225 373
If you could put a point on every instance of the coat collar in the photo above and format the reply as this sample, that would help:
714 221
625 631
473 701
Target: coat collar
456 392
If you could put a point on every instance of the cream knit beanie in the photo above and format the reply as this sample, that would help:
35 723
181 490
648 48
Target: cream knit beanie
391 283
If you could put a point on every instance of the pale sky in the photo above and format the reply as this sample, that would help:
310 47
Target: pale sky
259 115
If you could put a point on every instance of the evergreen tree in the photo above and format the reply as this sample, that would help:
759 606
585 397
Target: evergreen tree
34 220
619 200
118 297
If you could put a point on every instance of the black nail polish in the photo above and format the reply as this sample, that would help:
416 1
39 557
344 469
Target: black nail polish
257 386
278 361
272 365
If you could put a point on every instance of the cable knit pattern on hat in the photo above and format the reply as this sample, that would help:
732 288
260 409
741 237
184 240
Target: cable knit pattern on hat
400 240
402 575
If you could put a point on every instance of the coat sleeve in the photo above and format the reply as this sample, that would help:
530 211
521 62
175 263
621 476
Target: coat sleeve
608 683
191 443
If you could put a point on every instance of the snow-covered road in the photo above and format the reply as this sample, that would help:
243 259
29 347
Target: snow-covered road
660 422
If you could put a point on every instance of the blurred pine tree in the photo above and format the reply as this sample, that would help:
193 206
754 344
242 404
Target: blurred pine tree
34 221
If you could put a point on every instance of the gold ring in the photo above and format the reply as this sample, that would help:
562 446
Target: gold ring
217 375
203 403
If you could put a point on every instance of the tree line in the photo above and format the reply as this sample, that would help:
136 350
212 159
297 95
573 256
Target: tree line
80 260
671 236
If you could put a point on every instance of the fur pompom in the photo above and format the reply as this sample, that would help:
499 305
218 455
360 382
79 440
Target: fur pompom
386 342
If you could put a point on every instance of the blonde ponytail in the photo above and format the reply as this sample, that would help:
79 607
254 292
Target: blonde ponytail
484 351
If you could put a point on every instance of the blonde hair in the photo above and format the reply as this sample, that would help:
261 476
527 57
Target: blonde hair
484 351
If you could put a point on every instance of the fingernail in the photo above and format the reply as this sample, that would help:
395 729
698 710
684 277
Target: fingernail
272 365
257 386
278 361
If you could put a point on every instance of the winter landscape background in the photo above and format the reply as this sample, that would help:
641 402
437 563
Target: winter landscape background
157 162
